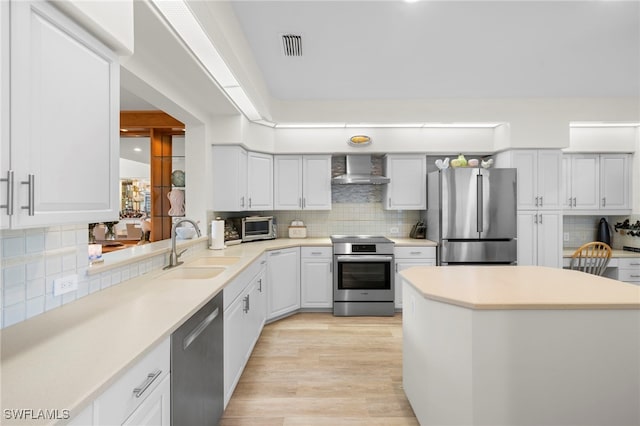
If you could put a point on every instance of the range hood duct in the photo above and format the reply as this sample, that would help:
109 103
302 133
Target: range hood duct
359 172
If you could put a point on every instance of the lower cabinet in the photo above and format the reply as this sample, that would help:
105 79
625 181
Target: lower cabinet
540 238
244 318
139 397
283 276
407 257
316 277
629 270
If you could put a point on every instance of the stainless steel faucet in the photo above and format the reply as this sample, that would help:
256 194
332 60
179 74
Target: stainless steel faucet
174 255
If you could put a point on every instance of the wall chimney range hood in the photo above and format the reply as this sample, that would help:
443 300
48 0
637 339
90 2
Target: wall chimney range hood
358 172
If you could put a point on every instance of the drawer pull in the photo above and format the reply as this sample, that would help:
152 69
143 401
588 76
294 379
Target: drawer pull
9 205
316 253
31 184
635 276
145 385
634 264
415 253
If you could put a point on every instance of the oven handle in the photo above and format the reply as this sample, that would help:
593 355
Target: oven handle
377 258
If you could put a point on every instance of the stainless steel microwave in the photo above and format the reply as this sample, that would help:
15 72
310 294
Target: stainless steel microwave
253 228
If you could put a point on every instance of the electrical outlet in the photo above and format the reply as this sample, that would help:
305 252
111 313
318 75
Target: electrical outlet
65 284
394 230
566 236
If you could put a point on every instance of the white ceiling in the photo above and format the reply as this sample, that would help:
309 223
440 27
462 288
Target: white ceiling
445 49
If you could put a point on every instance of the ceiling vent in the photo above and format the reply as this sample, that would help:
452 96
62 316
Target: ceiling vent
292 44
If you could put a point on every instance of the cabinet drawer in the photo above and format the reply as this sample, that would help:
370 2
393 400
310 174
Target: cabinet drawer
629 262
415 252
233 289
631 275
316 252
120 400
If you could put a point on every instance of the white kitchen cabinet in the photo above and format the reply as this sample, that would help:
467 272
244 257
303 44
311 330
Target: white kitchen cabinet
244 316
540 238
596 183
156 409
58 77
615 182
407 257
316 277
141 394
283 277
302 182
229 178
260 181
539 174
629 270
407 189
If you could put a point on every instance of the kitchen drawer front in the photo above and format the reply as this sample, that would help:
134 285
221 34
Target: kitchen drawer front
316 252
120 400
415 252
629 275
237 286
629 262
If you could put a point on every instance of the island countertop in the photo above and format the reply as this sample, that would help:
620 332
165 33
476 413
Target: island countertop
521 287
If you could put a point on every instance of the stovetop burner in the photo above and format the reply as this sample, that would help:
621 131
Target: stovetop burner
360 239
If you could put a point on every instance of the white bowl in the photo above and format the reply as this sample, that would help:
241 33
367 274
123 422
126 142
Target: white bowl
185 232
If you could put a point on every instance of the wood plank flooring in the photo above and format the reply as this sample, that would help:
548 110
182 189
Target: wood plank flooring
315 369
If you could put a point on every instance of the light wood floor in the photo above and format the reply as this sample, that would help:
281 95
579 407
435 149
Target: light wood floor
316 369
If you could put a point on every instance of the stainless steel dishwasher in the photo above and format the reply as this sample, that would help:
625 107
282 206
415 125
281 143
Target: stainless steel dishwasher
197 377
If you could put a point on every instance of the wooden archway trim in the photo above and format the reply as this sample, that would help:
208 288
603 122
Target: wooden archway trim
148 119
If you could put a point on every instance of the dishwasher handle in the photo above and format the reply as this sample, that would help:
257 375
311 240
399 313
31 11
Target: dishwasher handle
193 334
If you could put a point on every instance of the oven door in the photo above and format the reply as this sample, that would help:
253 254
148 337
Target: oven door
363 278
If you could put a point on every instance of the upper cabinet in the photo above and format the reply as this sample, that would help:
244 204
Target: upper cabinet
539 173
302 182
407 189
241 180
64 88
593 183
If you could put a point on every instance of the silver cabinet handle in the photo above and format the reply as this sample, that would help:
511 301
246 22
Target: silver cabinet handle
260 286
245 309
634 264
570 201
274 253
193 334
31 183
415 253
604 201
634 276
574 202
540 220
331 267
304 202
9 205
541 203
396 267
300 202
537 201
145 385
241 201
389 202
263 262
316 253
249 202
535 219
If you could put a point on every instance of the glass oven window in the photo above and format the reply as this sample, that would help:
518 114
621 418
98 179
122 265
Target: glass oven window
364 276
256 228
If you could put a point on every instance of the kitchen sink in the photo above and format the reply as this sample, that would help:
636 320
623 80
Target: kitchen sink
214 261
186 273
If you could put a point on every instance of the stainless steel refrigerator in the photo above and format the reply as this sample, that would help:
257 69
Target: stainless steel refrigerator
471 214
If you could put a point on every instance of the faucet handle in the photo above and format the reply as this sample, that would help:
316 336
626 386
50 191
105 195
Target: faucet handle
181 253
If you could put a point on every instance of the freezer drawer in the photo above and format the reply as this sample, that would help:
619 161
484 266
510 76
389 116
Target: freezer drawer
477 251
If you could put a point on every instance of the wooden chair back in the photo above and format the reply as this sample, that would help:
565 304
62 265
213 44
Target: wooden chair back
591 258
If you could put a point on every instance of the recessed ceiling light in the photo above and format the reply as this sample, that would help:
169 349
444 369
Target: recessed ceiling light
136 149
124 130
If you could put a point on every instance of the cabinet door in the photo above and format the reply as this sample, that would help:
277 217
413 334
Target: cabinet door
283 275
585 181
566 197
236 345
5 134
229 178
257 308
317 283
407 189
527 238
65 89
316 182
526 162
549 239
401 265
614 182
548 175
156 409
260 181
287 182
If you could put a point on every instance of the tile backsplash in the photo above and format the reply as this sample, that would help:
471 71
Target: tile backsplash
583 229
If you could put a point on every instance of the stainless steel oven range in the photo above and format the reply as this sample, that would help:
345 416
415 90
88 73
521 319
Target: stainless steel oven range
363 276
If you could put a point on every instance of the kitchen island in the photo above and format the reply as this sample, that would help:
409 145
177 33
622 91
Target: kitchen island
520 345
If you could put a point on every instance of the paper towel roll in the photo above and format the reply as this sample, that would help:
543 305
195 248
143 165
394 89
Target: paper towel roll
217 235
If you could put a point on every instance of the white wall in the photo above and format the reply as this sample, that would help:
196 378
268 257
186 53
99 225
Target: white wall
603 139
134 169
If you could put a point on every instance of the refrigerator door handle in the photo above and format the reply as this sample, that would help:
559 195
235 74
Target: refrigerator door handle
480 203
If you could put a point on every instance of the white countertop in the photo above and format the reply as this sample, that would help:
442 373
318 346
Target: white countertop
521 287
68 356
